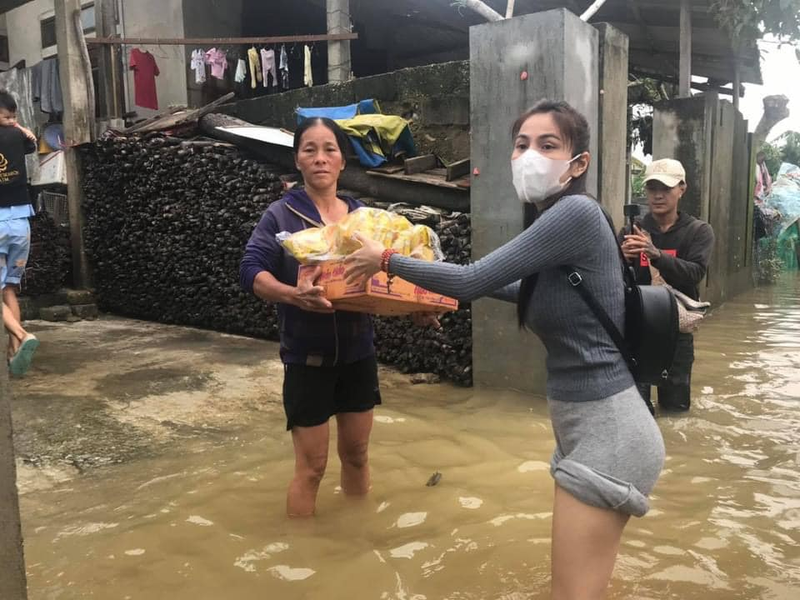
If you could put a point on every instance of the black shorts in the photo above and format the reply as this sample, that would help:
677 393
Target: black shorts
312 395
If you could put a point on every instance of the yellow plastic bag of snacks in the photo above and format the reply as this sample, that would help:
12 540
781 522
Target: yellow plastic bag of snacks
334 242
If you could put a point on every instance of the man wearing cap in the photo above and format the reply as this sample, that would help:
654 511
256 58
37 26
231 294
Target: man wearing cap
679 246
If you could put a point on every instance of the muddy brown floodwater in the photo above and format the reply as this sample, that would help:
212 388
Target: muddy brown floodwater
205 520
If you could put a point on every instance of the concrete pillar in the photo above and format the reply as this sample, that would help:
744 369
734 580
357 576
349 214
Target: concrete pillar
710 138
612 132
13 584
513 64
339 66
78 125
683 130
685 67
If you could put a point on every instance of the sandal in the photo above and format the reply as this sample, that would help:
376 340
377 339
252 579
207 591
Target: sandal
21 361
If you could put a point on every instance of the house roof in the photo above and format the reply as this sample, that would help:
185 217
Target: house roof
652 26
7 5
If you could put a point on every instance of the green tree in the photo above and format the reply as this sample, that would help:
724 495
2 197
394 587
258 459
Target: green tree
790 150
773 158
748 20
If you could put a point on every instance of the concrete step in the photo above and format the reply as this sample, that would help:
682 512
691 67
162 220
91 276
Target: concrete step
56 313
86 311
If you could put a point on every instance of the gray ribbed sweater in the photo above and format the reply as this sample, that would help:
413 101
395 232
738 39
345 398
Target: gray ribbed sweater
582 361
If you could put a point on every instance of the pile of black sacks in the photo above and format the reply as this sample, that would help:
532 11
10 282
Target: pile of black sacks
49 262
167 221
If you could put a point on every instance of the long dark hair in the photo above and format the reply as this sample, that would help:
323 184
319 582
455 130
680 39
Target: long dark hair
341 137
575 132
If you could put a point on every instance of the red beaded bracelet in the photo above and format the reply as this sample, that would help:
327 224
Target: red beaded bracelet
385 258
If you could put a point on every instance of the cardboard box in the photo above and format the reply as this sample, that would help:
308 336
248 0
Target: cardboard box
378 296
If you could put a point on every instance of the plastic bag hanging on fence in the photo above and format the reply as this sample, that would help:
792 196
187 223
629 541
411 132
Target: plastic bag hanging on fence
690 312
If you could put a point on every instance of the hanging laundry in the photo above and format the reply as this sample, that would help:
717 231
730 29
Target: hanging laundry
198 65
308 77
145 70
46 86
284 68
218 59
255 67
268 62
241 71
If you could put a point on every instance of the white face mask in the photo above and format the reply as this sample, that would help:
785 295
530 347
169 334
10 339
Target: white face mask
537 177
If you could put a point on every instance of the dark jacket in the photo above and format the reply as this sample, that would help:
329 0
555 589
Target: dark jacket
306 337
13 172
685 253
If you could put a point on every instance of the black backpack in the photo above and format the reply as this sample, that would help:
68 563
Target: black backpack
651 323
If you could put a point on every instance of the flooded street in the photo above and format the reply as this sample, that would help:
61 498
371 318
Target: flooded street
206 521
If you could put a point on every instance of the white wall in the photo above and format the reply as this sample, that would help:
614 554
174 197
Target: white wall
3 31
153 19
138 18
24 31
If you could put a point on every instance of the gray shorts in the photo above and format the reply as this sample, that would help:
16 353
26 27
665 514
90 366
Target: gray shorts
609 453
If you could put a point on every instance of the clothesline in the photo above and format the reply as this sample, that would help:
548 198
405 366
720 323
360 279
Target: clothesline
286 39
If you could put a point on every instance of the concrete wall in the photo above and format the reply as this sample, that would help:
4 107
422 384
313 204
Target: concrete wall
3 31
710 138
25 34
139 18
560 55
682 130
436 97
612 133
156 18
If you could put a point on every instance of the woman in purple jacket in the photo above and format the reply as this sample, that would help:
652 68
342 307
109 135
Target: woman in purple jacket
329 356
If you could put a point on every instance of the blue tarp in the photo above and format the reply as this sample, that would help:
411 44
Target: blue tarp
785 199
362 145
364 107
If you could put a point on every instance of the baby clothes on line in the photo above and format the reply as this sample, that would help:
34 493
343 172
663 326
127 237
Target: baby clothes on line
308 77
218 59
255 67
241 71
268 62
198 65
284 68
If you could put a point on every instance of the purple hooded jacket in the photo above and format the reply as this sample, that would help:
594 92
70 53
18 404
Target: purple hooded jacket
307 338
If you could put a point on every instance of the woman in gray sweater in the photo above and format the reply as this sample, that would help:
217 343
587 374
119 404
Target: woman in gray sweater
609 451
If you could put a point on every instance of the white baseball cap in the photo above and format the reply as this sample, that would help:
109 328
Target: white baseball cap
668 171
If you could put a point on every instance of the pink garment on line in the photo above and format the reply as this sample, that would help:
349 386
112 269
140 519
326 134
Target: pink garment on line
269 67
218 59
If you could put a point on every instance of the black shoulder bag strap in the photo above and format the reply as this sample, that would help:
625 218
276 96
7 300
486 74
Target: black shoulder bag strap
576 281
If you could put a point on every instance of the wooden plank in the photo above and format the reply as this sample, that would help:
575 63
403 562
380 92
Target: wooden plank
390 169
208 108
422 178
420 164
285 39
183 117
137 126
458 169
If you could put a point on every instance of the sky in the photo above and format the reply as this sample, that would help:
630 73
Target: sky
781 73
